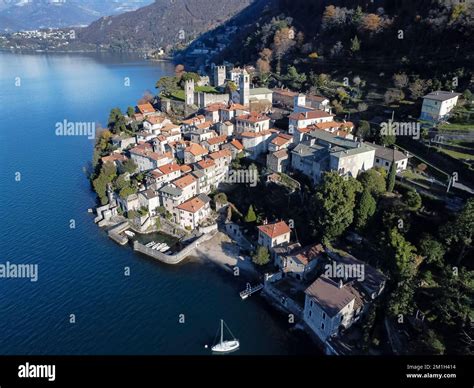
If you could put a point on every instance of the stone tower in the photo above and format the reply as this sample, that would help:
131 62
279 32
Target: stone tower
219 76
189 92
245 88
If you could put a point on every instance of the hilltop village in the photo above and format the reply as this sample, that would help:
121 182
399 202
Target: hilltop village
193 161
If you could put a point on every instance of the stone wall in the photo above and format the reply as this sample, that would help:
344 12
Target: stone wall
177 257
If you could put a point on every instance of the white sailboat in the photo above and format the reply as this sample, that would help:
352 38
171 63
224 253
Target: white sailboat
226 346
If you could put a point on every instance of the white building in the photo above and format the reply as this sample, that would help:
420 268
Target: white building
438 105
273 235
252 122
192 212
305 119
150 200
384 157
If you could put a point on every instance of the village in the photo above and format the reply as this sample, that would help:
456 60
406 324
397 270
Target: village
176 156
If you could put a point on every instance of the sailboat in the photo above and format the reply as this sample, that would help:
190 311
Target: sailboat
225 346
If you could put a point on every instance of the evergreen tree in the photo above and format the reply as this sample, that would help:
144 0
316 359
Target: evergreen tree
391 177
365 209
261 256
251 216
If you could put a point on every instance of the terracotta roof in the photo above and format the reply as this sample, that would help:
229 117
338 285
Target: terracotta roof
221 154
184 181
156 119
275 230
216 140
185 168
146 108
169 168
215 107
196 149
255 134
192 205
206 163
170 128
306 254
194 120
313 114
204 125
329 296
253 117
113 158
237 144
280 140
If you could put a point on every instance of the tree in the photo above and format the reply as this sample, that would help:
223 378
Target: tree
106 175
363 130
264 62
251 216
102 143
417 88
188 76
458 234
400 80
371 22
393 95
167 85
261 256
158 223
403 254
391 177
130 111
129 166
126 191
431 343
433 250
413 200
334 204
230 87
455 303
179 71
282 43
373 181
116 123
295 80
122 181
365 209
401 300
355 44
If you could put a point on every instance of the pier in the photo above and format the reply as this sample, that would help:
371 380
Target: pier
250 290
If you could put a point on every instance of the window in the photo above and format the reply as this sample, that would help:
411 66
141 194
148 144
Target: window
322 325
377 160
310 312
324 315
386 163
311 303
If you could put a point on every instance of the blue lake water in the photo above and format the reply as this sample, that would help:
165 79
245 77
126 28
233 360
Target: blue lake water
81 271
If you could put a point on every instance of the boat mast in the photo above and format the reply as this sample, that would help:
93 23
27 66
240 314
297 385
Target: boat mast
222 330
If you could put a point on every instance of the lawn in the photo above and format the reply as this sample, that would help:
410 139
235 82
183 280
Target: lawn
457 155
180 96
456 127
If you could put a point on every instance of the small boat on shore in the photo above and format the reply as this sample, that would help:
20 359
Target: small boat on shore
156 246
129 233
150 244
164 248
225 346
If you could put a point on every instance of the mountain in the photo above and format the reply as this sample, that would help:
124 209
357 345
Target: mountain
419 35
35 14
161 24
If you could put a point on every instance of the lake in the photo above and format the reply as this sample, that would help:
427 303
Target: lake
44 191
